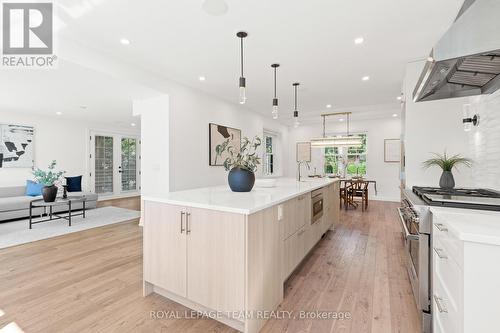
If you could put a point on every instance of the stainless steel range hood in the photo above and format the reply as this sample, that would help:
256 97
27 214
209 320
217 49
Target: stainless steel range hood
466 60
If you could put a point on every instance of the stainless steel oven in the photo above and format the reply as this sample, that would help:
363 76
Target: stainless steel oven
316 205
415 227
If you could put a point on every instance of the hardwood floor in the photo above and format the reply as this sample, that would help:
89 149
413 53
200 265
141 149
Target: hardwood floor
133 203
91 281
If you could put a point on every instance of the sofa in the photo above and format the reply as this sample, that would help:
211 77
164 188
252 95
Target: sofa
14 203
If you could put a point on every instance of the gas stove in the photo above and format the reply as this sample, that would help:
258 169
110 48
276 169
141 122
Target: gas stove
469 198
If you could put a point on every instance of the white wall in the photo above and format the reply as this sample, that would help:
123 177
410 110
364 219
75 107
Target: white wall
65 141
484 141
386 174
154 114
191 111
433 126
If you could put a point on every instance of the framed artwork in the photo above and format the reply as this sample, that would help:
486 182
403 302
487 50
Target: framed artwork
16 146
303 152
217 134
392 150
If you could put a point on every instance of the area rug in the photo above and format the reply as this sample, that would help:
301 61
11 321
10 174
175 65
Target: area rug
17 232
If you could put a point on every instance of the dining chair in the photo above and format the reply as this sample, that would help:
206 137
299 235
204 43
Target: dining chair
359 191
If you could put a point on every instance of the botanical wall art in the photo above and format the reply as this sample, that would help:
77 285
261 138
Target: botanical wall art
217 135
16 146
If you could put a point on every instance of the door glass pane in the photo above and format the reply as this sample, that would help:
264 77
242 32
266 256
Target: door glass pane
103 164
129 164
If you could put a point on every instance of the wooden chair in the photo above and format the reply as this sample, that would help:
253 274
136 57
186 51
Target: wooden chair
359 191
347 195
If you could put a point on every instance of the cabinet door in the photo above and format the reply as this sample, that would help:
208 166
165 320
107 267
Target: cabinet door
165 247
300 246
216 259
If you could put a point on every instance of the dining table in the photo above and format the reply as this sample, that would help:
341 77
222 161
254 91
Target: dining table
343 184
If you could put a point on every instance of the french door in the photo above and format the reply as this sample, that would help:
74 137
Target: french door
114 163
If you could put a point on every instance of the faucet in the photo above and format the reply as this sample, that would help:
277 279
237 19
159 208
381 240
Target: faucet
299 163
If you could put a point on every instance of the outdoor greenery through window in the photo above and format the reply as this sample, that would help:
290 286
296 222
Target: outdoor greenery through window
268 155
351 158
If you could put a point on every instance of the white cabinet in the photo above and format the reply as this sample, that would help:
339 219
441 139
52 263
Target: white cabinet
465 279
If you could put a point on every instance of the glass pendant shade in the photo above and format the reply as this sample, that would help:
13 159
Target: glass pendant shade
243 95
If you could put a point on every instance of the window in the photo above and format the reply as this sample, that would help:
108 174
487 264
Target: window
352 159
268 155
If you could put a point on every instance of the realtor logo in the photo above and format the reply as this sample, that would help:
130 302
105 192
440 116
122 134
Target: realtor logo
27 29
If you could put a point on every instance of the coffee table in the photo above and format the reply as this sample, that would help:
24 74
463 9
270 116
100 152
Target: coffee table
58 202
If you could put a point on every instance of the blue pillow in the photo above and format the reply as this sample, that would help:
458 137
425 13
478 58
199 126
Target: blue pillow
74 184
33 189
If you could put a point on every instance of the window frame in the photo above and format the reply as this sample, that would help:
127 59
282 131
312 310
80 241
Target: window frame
344 153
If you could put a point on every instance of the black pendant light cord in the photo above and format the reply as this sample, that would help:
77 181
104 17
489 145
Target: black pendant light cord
295 97
275 82
241 53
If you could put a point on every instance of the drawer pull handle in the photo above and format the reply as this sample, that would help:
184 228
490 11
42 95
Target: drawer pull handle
440 253
441 227
439 304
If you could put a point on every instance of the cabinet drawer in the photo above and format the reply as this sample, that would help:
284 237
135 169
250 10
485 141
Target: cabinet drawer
448 272
446 315
448 241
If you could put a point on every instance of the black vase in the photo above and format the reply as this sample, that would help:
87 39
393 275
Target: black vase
447 181
49 193
241 180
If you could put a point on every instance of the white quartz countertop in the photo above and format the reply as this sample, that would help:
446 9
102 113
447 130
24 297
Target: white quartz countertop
478 226
223 199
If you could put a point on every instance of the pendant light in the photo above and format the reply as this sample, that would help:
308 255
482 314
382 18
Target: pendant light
243 97
275 99
295 111
337 141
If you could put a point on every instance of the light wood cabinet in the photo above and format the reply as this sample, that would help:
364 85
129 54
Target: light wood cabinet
215 259
165 246
232 263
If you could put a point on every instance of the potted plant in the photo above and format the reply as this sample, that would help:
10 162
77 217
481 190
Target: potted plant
241 163
447 164
48 179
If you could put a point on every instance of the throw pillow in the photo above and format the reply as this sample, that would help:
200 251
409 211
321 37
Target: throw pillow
33 189
74 184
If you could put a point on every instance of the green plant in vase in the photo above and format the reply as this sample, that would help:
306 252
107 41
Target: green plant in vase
241 163
48 178
447 164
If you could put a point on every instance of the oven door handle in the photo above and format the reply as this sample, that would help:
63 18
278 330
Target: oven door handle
407 234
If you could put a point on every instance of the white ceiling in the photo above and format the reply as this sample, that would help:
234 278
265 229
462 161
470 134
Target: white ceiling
73 91
312 40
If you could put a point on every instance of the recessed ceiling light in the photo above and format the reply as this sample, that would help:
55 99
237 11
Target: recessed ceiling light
132 124
394 115
399 98
59 113
202 78
215 7
328 106
359 40
125 41
365 78
341 119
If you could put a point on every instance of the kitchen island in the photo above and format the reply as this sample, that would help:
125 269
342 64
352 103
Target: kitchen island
226 254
